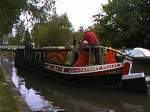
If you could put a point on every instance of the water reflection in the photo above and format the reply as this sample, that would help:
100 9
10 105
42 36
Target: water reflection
35 101
75 99
42 94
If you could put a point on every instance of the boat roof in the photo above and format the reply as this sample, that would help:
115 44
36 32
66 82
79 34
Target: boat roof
139 52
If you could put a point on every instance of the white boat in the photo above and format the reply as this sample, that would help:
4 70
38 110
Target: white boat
140 55
139 52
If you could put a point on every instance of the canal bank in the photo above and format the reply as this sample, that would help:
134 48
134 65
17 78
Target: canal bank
10 98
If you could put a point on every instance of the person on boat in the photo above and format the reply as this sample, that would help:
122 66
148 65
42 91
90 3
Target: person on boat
90 40
28 48
74 51
74 40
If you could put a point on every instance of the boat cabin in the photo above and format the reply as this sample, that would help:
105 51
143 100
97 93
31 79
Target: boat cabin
73 56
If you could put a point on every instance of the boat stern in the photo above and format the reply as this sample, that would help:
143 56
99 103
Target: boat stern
132 81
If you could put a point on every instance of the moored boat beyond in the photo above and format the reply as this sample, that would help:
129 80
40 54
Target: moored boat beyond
103 68
141 56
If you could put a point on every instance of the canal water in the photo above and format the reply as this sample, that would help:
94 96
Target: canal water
44 95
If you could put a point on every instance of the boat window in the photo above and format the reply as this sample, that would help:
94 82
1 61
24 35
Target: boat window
119 57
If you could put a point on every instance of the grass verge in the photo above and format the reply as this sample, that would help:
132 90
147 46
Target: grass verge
7 100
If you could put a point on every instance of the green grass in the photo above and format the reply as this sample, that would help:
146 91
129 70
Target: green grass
7 100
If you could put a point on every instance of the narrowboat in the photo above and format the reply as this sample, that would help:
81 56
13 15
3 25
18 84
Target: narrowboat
103 68
141 56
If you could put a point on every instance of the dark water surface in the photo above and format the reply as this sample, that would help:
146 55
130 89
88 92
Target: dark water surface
44 95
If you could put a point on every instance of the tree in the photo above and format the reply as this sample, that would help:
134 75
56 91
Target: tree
27 38
9 12
57 32
125 23
40 35
37 10
20 35
13 41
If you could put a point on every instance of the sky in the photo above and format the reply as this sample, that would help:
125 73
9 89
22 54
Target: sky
79 12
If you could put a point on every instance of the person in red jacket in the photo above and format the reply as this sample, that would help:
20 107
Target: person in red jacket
90 38
89 41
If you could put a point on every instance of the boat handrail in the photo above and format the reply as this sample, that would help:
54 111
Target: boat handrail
70 47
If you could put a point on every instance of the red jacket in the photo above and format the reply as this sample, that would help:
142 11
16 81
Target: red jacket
91 38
